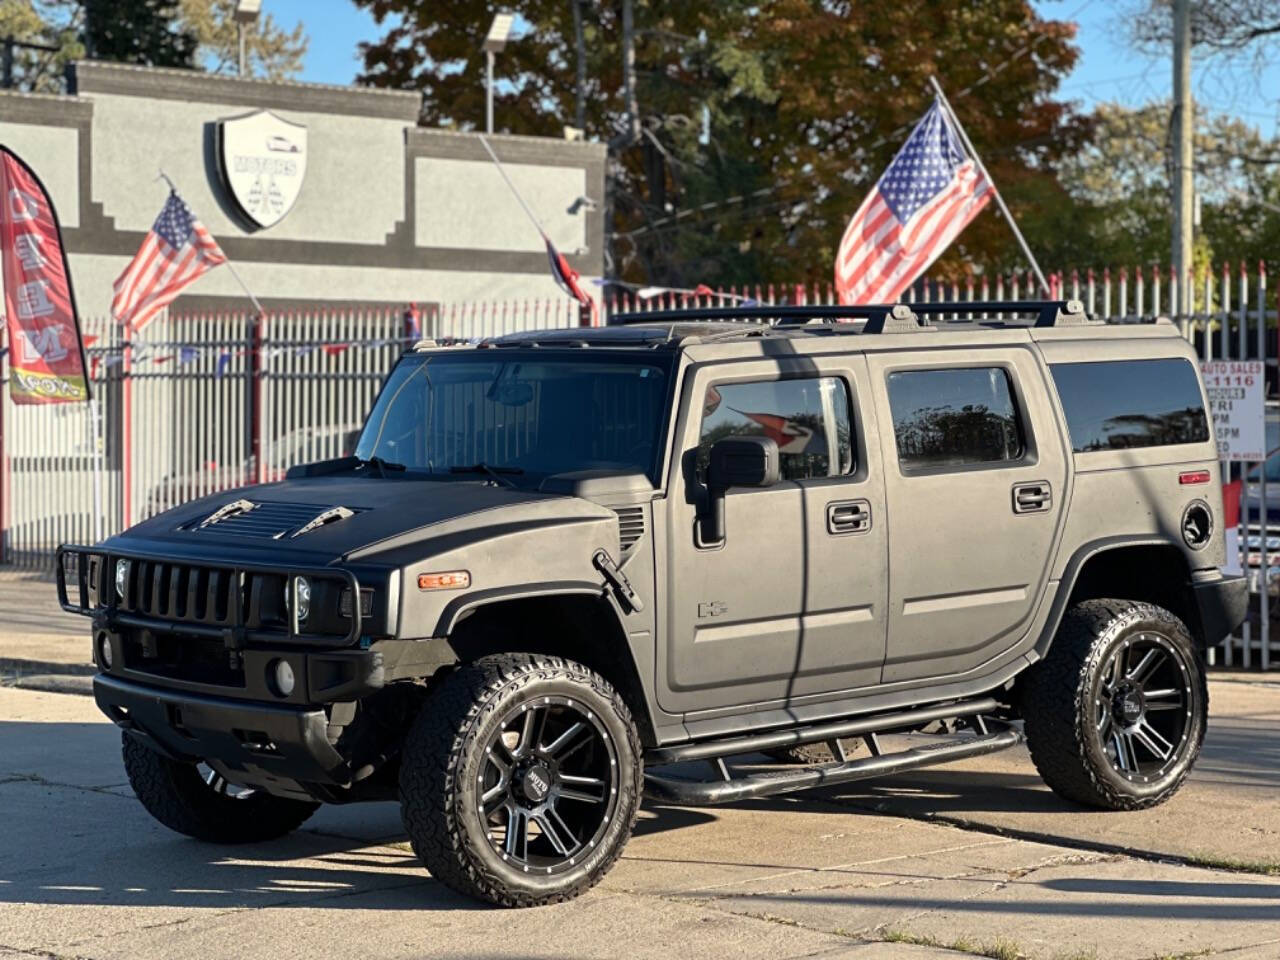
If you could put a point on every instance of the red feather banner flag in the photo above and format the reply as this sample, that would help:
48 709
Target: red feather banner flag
46 359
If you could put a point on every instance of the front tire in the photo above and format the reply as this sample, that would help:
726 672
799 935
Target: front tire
203 805
1116 712
520 780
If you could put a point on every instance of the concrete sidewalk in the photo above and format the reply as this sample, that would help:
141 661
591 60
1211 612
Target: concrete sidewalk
84 872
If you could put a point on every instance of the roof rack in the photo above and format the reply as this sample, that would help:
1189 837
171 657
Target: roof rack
878 317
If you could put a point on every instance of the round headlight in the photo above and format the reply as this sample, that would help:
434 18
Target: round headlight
304 596
282 677
122 578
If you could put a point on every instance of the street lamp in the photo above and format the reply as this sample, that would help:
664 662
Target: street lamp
493 44
245 13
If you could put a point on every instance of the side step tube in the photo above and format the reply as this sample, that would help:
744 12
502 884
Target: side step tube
701 792
880 723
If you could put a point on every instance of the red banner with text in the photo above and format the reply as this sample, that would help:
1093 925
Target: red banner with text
46 359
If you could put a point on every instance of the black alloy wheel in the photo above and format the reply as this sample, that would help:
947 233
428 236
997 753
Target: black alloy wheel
1116 711
520 779
1144 706
549 785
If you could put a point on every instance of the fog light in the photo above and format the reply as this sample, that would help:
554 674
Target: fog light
282 677
122 578
104 650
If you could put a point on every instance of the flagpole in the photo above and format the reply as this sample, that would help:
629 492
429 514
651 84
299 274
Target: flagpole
519 199
230 266
964 137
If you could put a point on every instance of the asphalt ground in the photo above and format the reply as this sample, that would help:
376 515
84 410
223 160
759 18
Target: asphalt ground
970 857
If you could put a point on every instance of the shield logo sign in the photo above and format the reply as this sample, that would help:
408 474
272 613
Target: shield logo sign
263 161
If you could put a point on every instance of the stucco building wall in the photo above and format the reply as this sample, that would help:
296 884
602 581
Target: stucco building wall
387 213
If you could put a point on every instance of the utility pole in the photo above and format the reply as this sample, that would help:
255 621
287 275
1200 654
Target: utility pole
580 86
1183 125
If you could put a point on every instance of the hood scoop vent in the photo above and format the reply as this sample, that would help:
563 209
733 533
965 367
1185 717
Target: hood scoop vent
269 521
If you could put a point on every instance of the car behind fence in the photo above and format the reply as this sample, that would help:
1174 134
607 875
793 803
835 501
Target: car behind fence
202 402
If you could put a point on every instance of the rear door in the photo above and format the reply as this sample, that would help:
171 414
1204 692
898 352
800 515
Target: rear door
791 603
976 471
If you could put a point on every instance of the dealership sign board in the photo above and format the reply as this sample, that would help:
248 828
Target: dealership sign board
262 160
1235 389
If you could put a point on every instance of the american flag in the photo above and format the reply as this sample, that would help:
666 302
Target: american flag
925 197
175 252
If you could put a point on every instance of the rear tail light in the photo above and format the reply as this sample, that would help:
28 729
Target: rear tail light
1194 476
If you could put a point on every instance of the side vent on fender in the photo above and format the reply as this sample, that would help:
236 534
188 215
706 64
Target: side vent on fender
630 526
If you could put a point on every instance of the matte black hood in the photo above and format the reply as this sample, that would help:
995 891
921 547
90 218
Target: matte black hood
386 513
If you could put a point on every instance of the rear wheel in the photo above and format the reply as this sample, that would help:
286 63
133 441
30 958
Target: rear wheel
194 799
520 780
1116 713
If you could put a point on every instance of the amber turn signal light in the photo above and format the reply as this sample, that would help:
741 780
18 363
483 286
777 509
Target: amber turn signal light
453 580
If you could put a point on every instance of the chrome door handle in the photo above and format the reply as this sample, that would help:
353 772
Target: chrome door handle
849 516
1034 497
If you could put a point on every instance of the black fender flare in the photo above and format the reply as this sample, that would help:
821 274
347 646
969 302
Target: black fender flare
458 608
1070 574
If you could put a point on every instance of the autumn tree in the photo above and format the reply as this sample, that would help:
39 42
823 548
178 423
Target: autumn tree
1120 185
271 51
761 123
36 70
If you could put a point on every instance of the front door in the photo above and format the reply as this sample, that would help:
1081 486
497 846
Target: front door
790 604
976 480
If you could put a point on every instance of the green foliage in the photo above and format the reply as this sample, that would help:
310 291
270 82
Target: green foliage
271 51
168 33
135 31
762 123
39 71
1121 198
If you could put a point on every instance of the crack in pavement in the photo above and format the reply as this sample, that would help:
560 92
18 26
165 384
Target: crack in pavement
107 790
1031 836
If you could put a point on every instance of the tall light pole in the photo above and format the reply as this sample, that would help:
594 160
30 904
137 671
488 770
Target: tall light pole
494 44
1183 126
246 13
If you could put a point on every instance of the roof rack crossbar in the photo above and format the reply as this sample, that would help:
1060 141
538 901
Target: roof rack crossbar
879 317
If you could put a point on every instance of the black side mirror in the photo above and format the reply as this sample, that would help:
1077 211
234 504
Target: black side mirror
737 462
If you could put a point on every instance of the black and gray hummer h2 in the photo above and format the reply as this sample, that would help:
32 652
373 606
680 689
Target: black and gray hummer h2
567 567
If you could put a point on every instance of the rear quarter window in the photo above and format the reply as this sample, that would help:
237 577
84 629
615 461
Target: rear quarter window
1124 404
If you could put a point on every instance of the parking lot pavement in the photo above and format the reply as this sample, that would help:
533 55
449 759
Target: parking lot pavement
85 872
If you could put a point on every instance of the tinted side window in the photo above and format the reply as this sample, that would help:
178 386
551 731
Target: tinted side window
1118 404
947 418
808 419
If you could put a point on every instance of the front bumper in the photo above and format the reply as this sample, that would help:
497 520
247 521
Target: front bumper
263 742
1223 603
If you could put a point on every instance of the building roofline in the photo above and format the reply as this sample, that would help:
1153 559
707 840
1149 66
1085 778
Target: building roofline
89 77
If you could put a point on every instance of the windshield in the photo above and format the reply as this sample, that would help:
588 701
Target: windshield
526 418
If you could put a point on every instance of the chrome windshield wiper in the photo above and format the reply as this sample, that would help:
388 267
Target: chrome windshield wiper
495 472
382 466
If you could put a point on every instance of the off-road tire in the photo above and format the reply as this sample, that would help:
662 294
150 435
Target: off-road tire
177 795
1059 699
446 746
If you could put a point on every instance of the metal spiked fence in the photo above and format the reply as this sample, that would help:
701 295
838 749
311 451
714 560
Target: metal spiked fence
202 402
